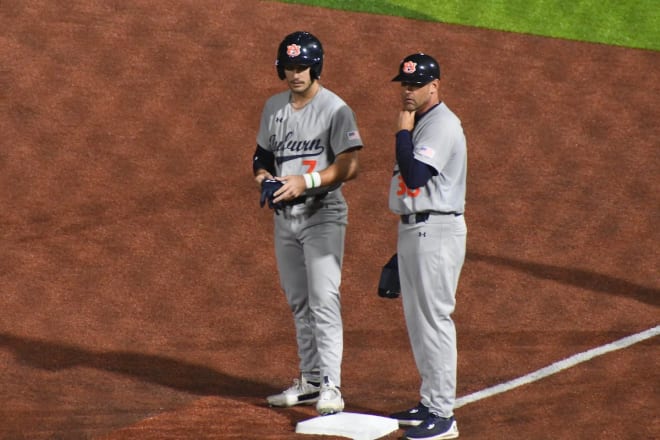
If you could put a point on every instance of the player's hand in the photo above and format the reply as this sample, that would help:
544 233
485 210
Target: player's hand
293 187
268 188
406 120
259 178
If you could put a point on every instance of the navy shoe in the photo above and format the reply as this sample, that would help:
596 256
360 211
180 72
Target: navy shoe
413 416
433 428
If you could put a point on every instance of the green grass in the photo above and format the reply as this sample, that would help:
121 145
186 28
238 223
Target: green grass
629 23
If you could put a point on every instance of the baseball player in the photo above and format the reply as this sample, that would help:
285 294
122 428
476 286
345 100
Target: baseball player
428 192
308 144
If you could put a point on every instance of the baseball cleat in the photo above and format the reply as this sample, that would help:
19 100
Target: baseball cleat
330 400
301 393
413 416
433 428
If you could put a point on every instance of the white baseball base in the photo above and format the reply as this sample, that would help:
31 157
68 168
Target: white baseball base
351 425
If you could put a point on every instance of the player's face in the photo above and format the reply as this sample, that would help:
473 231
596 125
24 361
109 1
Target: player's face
299 78
419 98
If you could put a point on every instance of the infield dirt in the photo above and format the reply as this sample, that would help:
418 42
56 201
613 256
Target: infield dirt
140 297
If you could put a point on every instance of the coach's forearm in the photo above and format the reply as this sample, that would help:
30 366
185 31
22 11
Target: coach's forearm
415 173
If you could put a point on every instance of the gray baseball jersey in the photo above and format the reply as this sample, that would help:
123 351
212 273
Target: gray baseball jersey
309 237
431 252
438 141
308 139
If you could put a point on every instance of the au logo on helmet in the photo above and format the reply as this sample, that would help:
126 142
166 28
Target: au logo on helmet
293 50
409 67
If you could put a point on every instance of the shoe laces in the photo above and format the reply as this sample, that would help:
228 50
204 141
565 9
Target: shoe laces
329 394
297 386
329 391
433 420
419 408
300 385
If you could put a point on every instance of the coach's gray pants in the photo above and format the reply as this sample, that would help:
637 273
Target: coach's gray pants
431 256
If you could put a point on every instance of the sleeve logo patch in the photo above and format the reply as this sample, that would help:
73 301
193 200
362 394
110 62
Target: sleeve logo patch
293 50
426 152
353 135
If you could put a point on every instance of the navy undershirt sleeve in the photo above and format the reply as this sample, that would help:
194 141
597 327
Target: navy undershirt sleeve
414 172
263 159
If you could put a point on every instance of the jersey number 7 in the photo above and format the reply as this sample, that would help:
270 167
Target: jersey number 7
310 164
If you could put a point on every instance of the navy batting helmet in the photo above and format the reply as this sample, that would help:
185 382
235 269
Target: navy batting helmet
300 49
418 68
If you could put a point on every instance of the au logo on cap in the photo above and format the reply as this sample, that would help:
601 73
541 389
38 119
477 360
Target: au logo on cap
409 67
293 50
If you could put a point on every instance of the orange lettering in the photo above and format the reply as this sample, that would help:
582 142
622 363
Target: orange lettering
403 189
311 164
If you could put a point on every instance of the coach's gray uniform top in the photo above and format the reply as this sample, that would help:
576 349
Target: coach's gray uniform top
309 237
431 252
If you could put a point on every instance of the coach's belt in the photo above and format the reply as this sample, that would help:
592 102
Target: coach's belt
411 219
303 199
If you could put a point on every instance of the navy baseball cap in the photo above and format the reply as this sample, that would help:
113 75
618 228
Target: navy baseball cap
418 68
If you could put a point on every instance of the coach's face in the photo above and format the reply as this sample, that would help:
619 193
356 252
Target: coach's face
416 98
299 78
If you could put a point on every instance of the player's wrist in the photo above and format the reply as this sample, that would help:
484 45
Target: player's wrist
259 178
312 180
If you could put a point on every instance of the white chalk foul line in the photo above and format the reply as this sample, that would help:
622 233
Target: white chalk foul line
558 366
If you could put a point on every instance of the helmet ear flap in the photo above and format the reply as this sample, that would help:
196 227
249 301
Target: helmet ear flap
279 61
315 72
